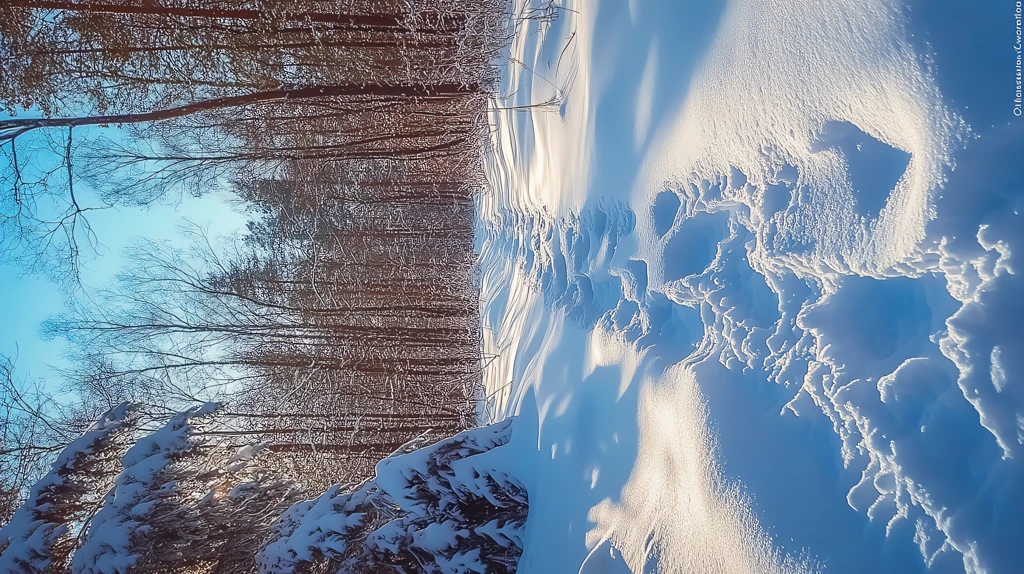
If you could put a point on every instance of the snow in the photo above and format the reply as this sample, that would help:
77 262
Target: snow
246 453
749 282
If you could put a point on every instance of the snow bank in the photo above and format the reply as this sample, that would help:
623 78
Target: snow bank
711 196
695 521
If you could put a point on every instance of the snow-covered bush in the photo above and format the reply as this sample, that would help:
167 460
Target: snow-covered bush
40 536
184 502
439 509
190 498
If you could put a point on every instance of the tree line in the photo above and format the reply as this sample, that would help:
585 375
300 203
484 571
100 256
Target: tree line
344 323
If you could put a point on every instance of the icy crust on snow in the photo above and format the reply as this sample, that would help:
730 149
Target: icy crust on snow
27 540
443 508
788 213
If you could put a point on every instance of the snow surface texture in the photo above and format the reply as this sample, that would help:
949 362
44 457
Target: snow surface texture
754 277
441 509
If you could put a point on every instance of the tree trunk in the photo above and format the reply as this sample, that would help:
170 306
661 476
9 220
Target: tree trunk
11 128
153 9
355 22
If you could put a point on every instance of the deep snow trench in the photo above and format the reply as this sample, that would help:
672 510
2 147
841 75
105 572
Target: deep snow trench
748 280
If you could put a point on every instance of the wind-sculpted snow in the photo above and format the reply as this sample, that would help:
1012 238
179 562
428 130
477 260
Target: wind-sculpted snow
700 524
759 284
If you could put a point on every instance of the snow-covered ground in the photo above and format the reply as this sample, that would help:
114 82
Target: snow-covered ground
749 281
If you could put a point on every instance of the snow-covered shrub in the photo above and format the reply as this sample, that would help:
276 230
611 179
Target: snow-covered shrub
40 536
438 509
184 502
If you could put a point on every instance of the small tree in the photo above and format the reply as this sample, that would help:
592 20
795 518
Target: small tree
184 502
438 509
40 536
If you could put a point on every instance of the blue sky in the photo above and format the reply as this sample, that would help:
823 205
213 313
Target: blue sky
27 300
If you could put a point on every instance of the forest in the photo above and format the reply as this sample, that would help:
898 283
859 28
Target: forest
304 397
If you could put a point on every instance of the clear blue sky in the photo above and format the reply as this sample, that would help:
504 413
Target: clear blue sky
26 301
